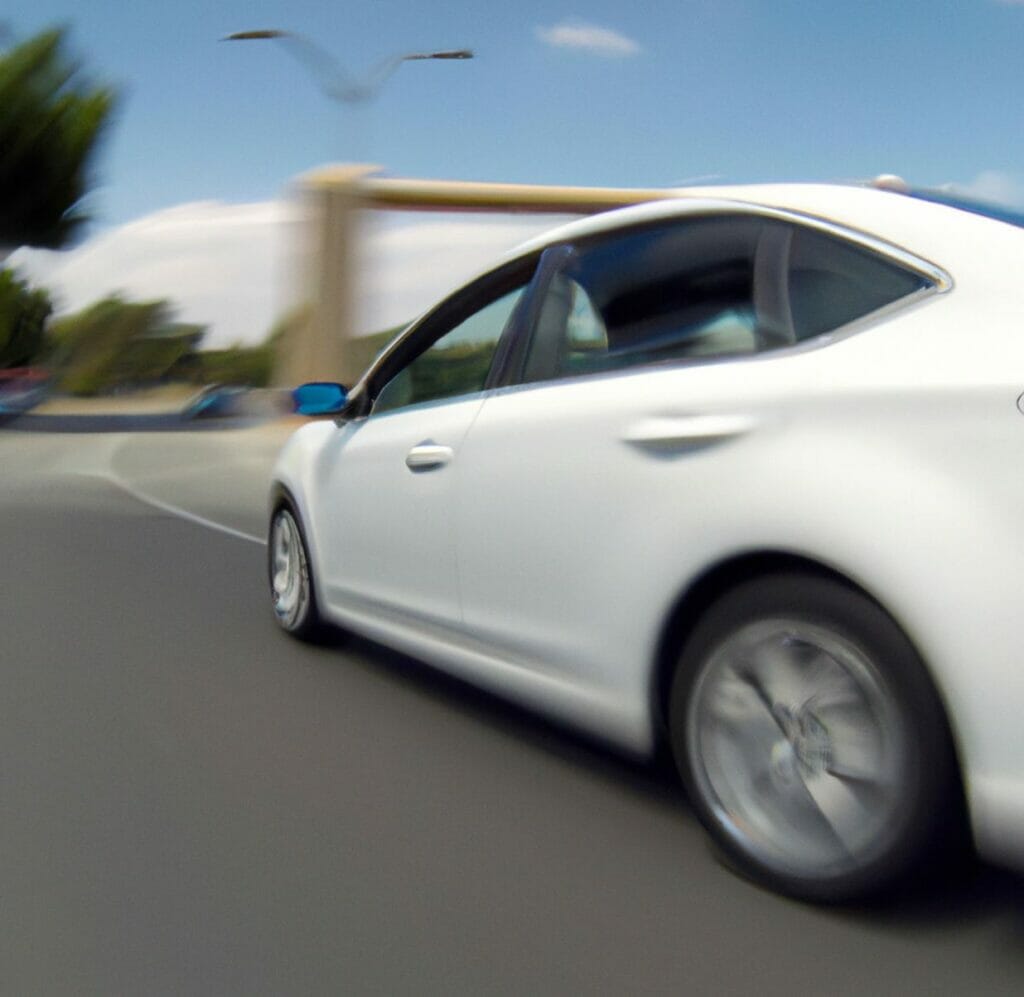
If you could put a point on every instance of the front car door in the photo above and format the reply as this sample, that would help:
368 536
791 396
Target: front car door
391 470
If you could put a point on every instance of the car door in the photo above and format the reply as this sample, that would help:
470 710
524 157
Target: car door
388 548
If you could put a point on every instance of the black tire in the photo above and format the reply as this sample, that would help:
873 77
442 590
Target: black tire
812 742
293 598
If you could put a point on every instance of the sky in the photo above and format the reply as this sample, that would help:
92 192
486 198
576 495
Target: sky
194 182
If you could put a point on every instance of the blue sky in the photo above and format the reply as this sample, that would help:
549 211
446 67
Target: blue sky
585 93
739 89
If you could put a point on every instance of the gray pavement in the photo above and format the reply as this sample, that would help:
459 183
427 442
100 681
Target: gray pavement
191 803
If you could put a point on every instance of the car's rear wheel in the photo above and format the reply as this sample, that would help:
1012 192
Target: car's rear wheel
291 580
811 739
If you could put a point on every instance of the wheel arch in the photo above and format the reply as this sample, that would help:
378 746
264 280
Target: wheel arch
281 495
718 579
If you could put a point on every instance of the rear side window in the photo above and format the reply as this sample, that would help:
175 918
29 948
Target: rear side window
699 288
833 282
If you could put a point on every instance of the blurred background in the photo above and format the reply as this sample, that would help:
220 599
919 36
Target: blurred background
153 228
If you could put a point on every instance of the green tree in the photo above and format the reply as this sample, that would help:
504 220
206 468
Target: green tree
50 123
117 343
23 314
243 365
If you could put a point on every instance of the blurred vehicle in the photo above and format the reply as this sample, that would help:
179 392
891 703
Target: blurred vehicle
22 388
740 472
216 401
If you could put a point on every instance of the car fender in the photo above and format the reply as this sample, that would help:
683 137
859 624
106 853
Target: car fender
904 520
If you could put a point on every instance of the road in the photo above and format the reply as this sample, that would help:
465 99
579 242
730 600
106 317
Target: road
194 804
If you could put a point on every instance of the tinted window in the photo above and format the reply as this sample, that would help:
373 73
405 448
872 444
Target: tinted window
660 293
456 364
832 282
704 287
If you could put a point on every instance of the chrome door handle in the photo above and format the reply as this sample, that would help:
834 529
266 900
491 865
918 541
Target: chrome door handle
428 457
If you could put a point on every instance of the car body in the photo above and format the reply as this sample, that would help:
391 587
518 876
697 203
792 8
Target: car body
21 389
215 401
691 454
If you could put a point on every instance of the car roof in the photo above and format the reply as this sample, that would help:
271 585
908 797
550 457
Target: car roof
891 215
974 248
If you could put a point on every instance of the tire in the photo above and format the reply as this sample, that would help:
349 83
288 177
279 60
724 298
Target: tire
811 740
292 593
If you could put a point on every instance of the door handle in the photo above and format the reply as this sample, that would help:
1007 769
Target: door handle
428 457
682 433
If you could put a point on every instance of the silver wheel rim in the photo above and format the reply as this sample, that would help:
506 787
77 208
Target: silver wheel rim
798 749
289 577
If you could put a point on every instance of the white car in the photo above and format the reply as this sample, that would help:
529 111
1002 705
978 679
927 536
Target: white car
741 471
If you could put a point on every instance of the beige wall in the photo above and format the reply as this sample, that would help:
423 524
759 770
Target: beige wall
316 346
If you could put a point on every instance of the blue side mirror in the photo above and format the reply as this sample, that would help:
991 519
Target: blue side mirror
319 398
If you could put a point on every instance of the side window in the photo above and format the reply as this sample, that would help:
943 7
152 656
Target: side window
662 293
456 364
832 282
700 288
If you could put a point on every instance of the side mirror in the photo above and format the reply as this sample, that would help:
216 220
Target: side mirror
319 398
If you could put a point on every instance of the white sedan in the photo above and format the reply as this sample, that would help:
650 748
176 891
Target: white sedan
739 472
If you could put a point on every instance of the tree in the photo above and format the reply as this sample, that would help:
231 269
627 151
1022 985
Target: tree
50 124
242 365
23 314
121 344
117 344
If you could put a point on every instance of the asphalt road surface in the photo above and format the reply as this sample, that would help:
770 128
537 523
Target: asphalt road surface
191 803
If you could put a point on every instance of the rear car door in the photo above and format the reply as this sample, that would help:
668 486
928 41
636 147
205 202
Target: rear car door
588 483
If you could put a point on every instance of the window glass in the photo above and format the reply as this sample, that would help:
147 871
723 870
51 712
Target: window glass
586 337
699 288
832 282
665 293
456 364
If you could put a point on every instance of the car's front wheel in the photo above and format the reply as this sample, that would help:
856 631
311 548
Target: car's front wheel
291 581
812 742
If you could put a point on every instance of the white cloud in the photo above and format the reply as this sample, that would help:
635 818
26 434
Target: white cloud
220 264
994 185
409 263
236 267
588 38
